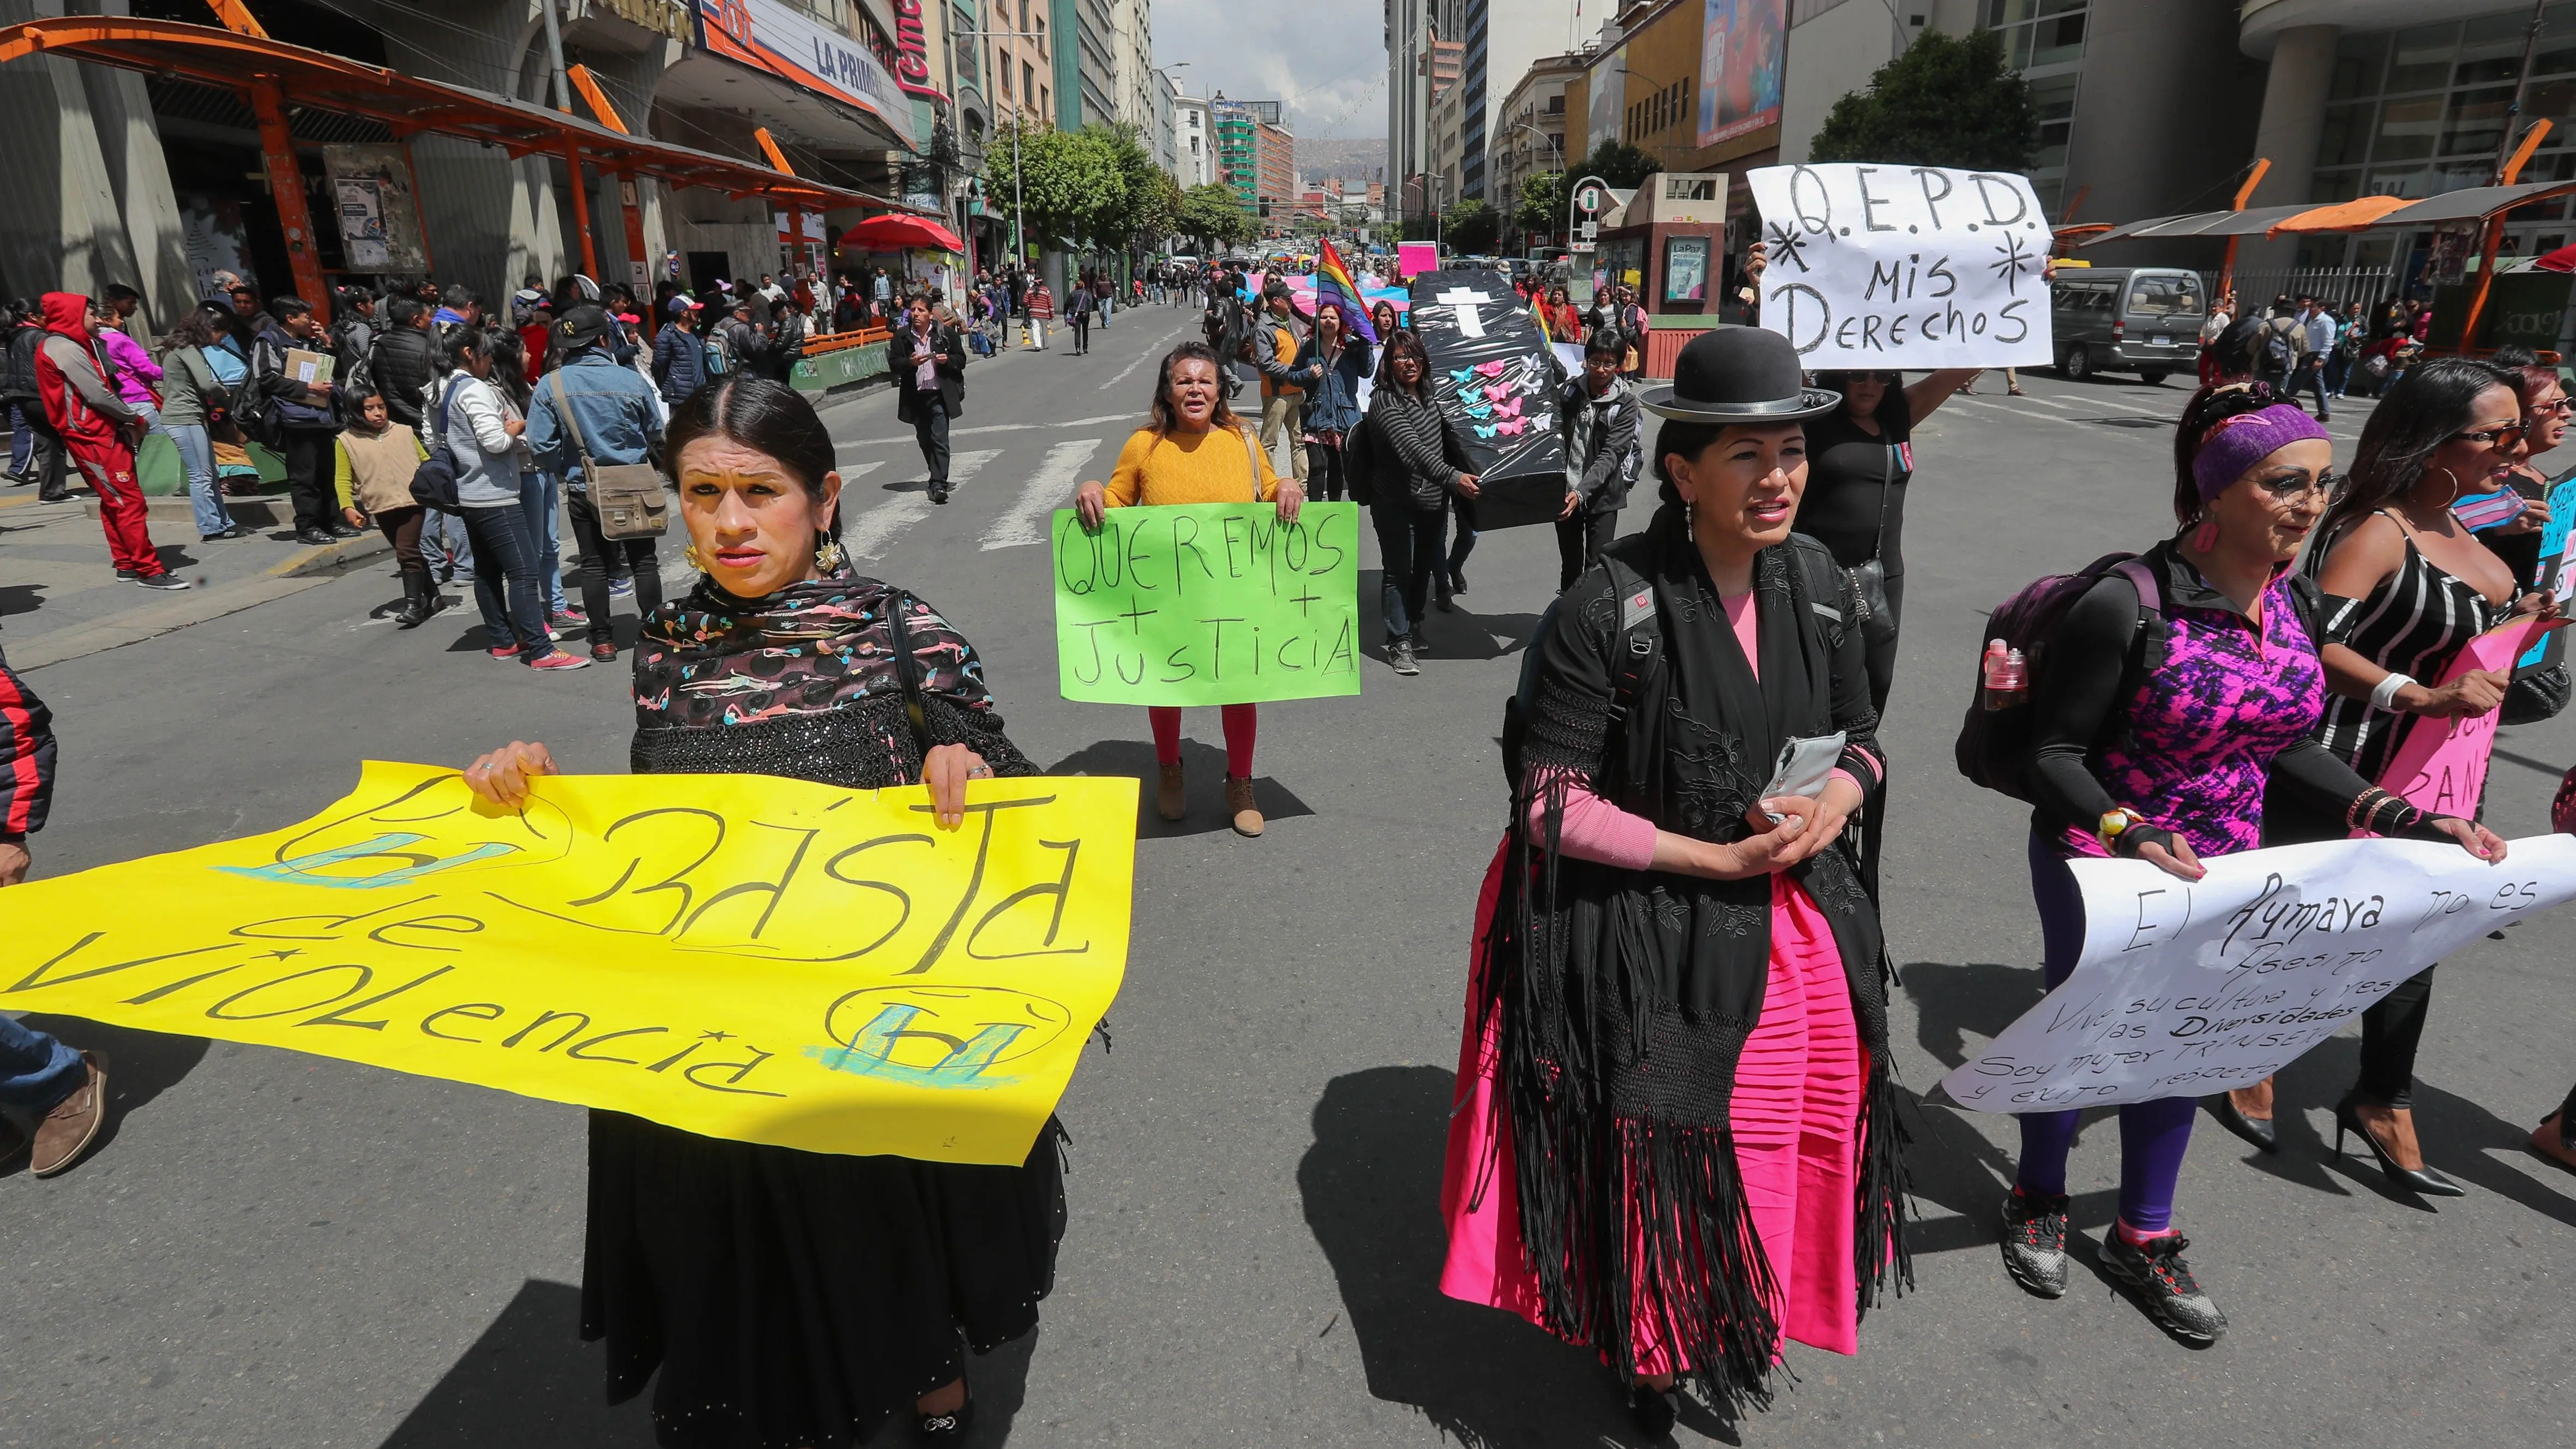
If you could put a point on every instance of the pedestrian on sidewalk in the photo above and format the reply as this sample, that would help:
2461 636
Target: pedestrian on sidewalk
1674 1138
1419 470
138 378
679 353
928 361
1078 309
469 416
539 495
1041 310
191 399
373 460
36 453
593 411
1194 450
53 1099
866 1280
404 363
301 416
99 432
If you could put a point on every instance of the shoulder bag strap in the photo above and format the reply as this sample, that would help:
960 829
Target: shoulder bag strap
907 670
572 425
1640 638
1252 456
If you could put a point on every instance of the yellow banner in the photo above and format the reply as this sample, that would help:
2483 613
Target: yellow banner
735 955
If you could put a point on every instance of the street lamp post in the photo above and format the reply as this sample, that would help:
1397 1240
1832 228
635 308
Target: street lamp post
1019 250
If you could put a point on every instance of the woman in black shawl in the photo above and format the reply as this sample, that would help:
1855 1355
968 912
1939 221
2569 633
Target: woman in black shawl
1674 1139
788 1299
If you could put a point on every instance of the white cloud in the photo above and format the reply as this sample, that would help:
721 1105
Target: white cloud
1326 59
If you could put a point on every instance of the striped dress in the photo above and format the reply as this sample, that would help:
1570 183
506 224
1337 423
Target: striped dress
2412 624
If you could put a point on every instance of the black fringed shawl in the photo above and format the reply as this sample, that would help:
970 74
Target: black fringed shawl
1625 997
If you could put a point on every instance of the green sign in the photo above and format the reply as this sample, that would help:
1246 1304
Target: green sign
1208 603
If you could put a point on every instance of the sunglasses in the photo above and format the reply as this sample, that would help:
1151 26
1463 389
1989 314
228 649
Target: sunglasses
2489 437
2296 485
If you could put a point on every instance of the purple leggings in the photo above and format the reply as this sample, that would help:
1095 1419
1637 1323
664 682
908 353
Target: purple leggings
2153 1135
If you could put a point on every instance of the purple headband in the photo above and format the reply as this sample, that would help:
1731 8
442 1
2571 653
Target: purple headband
2240 442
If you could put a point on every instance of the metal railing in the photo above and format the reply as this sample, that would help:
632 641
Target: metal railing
2334 285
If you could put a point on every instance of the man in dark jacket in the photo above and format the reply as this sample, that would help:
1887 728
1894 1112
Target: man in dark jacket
679 354
928 361
52 1097
404 359
303 418
1602 420
46 461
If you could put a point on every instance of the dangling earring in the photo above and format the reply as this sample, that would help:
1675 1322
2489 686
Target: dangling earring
827 554
690 556
2205 537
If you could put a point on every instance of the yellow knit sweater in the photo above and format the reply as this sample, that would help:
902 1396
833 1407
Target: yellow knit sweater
1211 467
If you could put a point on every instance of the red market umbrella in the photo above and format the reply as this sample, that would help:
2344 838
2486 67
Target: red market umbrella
892 233
2561 260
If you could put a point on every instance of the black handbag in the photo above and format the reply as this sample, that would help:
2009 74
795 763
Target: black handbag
1869 580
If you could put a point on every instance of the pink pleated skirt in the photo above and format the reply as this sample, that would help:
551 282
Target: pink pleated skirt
1795 1115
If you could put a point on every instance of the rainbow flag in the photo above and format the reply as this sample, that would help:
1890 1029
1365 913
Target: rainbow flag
1333 284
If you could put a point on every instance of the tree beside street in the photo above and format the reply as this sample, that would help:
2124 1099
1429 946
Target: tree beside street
1210 214
1540 213
1947 101
1471 226
1619 164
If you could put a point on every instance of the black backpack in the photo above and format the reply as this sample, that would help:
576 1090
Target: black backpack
433 484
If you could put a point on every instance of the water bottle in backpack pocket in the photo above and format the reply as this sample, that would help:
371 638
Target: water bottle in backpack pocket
1994 748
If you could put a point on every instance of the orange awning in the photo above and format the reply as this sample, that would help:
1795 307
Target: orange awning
2353 215
409 106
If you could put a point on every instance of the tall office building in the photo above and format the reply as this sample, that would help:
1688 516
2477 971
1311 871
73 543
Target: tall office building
1193 142
1274 170
1133 83
1242 163
1086 63
1502 37
1408 89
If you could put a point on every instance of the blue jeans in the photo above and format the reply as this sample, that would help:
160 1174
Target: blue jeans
505 572
36 1071
537 494
22 440
445 547
205 493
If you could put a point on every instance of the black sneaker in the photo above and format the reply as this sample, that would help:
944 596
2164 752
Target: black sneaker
314 538
2164 1283
1400 655
2035 1241
168 582
938 495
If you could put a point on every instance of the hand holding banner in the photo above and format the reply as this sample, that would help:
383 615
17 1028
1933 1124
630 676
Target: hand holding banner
2441 765
2190 987
1896 266
1208 603
736 955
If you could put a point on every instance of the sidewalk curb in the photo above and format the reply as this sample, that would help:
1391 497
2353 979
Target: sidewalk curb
329 559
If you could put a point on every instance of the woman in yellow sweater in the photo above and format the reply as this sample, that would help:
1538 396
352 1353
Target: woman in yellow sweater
1195 451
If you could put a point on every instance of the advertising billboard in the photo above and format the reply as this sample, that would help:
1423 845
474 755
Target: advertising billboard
772 37
1742 43
1609 100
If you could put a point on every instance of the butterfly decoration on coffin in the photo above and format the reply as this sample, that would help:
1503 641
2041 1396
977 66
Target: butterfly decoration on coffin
1507 427
1498 391
1491 369
1510 409
1480 410
1462 375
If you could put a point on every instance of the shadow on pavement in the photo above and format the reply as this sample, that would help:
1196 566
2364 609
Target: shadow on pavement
1371 1187
1202 766
531 1380
1953 1001
141 1065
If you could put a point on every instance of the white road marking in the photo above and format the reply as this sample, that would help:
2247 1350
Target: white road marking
1141 359
873 532
1136 418
1048 489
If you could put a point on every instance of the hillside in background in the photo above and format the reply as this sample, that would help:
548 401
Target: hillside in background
1353 158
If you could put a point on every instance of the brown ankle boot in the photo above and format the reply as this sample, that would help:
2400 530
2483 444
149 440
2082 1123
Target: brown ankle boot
1171 801
1238 802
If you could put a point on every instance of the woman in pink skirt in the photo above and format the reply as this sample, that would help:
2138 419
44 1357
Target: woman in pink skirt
1674 1139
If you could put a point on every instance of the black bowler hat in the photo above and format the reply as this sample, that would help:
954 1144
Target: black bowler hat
1740 375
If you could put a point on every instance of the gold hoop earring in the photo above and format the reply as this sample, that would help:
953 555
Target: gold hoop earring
689 555
827 555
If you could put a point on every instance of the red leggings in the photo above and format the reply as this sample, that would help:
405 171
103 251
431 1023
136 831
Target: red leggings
1241 723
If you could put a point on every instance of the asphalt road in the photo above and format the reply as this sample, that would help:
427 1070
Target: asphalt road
282 1250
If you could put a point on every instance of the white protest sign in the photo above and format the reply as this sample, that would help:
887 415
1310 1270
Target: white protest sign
2189 987
1904 266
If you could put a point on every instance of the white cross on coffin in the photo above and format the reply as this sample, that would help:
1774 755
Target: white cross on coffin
1462 304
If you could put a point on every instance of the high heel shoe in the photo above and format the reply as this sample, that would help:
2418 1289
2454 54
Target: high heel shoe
2422 1181
2264 1133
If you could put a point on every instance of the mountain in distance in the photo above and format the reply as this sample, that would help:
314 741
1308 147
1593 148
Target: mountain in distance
1353 158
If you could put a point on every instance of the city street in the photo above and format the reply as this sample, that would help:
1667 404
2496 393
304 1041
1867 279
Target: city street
282 1250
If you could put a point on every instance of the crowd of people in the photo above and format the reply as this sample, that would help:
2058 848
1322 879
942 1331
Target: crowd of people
1674 1139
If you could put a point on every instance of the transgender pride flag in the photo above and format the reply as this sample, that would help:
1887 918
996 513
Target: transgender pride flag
1333 283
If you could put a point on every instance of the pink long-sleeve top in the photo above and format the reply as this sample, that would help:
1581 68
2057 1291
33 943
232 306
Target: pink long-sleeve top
135 370
1594 829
